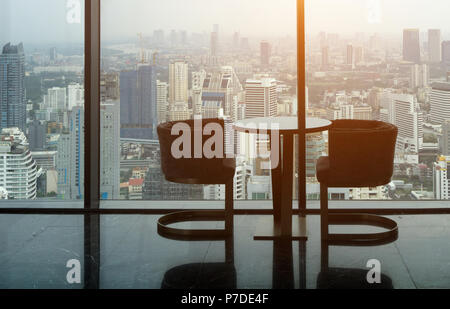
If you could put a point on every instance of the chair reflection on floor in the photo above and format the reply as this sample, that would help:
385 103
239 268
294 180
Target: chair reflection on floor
349 278
204 275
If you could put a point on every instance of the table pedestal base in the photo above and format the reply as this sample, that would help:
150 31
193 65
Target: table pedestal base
299 232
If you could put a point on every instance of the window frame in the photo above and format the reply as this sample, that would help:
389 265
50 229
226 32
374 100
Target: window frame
92 201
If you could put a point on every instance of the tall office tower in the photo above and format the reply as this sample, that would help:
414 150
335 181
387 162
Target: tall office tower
110 150
444 141
214 44
440 103
162 90
445 54
260 98
409 123
420 76
53 54
315 148
138 106
350 55
178 81
109 86
197 103
441 179
434 45
36 135
359 54
265 50
56 98
325 57
75 96
19 172
70 157
12 87
411 45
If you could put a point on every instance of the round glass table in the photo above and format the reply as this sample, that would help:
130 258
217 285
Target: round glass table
281 131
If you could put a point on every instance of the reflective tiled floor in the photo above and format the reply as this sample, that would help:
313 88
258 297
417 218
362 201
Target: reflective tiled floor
34 251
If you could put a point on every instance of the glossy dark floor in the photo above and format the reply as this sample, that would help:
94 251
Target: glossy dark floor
34 251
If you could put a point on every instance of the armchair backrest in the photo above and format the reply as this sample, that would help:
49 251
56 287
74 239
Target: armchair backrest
362 152
191 148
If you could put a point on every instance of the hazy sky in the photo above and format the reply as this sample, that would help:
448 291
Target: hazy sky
46 20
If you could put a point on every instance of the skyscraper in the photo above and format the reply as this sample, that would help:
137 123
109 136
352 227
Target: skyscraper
265 53
18 176
440 103
178 81
178 90
325 57
260 98
110 150
420 76
441 179
12 87
70 157
161 99
445 52
214 44
434 45
138 106
350 56
411 45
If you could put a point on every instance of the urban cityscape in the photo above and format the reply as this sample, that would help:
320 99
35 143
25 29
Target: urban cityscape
168 75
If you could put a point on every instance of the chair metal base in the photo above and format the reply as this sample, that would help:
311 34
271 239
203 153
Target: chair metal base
368 239
166 231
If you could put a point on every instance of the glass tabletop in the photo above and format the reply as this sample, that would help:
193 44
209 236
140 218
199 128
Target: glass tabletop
282 124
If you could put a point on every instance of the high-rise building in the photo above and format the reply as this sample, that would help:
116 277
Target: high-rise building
440 103
12 87
178 81
445 52
265 50
260 98
420 76
110 150
325 57
138 105
441 178
109 86
36 135
162 90
411 45
19 172
444 141
70 157
178 90
434 45
75 95
56 99
214 44
350 55
409 122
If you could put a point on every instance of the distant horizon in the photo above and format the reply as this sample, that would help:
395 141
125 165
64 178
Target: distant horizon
33 22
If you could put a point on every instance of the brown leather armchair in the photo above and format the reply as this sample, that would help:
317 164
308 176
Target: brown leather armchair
361 154
198 168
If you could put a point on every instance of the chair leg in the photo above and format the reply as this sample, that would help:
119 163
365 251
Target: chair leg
229 207
324 211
